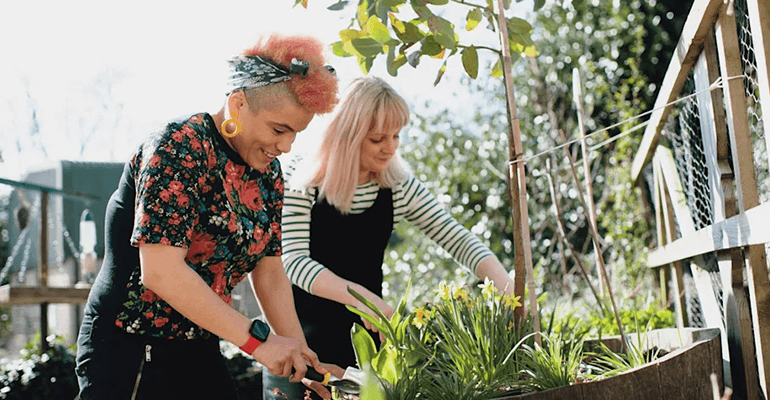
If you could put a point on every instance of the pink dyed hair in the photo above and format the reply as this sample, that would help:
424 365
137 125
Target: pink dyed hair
318 90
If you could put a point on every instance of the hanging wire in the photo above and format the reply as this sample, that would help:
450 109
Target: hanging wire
22 239
70 243
718 84
24 261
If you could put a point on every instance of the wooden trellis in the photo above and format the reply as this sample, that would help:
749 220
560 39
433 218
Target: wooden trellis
43 294
709 59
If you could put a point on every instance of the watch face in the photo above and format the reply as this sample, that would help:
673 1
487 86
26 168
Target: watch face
260 330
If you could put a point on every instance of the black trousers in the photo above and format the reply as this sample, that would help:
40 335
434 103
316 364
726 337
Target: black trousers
112 364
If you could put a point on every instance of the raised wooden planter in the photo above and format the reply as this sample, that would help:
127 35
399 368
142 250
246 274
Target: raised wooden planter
683 373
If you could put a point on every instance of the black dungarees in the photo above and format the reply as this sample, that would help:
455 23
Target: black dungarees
353 247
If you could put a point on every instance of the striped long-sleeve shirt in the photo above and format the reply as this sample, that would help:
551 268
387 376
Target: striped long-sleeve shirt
411 201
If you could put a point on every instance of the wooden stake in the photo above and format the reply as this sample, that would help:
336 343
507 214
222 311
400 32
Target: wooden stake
517 178
595 238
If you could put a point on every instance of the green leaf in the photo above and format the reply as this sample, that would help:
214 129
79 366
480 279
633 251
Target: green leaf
437 2
497 69
385 363
367 47
518 25
407 32
371 389
363 344
413 32
338 49
443 31
362 13
472 19
338 5
530 51
394 62
422 11
430 46
349 34
377 30
470 59
365 63
539 4
374 321
388 331
302 2
401 308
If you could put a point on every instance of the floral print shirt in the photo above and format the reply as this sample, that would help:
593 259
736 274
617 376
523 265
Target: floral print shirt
193 191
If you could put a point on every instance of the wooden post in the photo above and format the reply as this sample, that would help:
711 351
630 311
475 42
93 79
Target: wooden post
43 281
657 176
746 195
517 178
675 268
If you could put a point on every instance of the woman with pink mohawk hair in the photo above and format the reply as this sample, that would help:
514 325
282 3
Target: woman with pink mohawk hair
198 210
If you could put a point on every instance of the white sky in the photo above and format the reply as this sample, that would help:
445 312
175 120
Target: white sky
166 58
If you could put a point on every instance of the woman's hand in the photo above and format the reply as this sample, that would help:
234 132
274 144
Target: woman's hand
381 305
319 388
280 354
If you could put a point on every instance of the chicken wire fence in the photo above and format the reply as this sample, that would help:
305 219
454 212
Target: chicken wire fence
683 132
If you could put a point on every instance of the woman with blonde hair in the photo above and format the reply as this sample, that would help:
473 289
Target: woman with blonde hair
340 209
198 210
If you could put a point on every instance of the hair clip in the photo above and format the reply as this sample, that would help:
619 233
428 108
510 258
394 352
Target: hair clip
299 67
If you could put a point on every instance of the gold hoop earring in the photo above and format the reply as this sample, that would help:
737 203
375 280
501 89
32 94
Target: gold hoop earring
232 120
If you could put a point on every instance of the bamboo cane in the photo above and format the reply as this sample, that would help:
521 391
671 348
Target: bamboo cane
577 98
517 181
595 238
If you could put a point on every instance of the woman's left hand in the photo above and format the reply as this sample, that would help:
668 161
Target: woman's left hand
319 388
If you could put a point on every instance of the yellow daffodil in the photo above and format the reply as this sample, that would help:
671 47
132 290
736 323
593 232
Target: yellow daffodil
443 291
421 317
512 301
488 288
460 294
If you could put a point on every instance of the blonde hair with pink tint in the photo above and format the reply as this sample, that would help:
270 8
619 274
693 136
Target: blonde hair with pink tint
371 105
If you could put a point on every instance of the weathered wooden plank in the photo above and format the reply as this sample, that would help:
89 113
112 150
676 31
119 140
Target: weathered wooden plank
667 165
748 228
677 275
25 295
698 25
561 393
638 384
747 197
685 376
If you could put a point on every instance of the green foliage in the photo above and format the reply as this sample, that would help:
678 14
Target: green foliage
464 345
597 325
461 345
40 376
381 28
553 364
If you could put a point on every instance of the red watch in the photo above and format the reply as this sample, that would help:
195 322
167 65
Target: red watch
258 333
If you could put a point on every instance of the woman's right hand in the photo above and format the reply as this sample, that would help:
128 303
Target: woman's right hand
280 354
381 305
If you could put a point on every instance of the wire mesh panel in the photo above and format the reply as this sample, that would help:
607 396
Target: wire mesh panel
683 130
684 133
753 103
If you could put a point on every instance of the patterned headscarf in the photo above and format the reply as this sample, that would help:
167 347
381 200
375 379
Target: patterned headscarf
253 71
